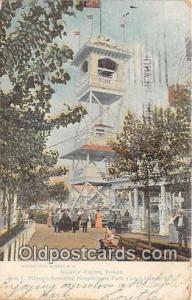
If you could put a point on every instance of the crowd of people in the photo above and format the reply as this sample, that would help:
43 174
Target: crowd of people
66 220
116 220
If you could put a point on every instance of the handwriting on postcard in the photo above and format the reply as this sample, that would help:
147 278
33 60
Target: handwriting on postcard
105 284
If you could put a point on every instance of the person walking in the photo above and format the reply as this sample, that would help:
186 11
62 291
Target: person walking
56 221
49 220
68 216
173 232
64 221
118 222
84 220
110 219
181 223
125 219
98 219
74 220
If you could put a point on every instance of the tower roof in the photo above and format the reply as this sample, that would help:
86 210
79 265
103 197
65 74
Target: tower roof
101 45
102 125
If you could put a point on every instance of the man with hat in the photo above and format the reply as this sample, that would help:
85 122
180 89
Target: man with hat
74 220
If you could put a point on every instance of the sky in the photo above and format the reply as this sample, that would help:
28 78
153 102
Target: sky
146 22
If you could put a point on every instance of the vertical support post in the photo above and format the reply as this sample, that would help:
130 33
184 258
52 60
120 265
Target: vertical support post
6 254
88 156
180 199
130 203
14 209
21 240
144 216
101 113
12 257
112 197
136 208
89 108
26 237
17 248
164 216
136 220
170 203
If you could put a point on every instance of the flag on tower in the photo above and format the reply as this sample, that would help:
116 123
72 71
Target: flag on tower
92 3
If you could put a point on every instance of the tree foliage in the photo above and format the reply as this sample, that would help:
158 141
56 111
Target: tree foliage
155 147
59 192
32 63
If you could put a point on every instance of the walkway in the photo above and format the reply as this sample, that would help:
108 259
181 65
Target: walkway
45 236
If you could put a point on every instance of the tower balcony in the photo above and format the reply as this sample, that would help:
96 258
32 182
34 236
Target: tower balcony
109 87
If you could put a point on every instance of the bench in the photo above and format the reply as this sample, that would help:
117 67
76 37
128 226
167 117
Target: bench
139 245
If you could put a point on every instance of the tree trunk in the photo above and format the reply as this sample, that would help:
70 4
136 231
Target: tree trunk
4 208
9 202
19 203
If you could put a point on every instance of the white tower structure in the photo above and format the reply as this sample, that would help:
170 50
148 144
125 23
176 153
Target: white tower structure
102 86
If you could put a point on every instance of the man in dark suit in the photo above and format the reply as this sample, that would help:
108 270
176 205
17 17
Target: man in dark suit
181 223
74 220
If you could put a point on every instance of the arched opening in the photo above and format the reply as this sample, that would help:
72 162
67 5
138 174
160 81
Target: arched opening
107 68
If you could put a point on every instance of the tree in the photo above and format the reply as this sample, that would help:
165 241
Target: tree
155 147
58 192
32 62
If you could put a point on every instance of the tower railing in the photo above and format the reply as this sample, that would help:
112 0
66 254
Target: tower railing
88 174
101 81
96 80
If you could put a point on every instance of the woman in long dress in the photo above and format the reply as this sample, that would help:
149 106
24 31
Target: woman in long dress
98 219
49 220
173 233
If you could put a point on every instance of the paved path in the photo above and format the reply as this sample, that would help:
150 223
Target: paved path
45 236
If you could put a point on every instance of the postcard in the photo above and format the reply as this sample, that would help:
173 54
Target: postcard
95 164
